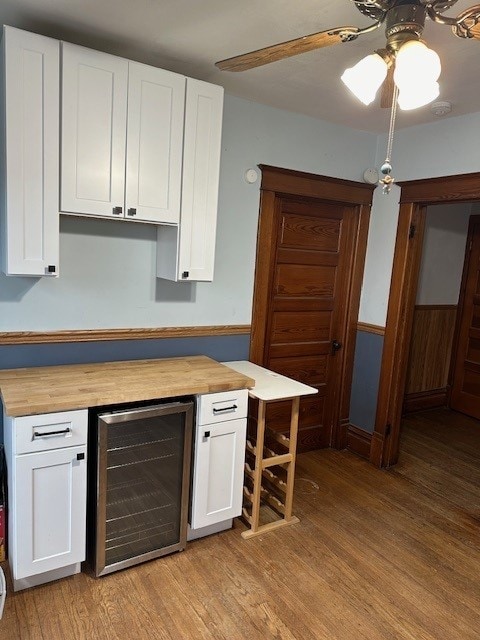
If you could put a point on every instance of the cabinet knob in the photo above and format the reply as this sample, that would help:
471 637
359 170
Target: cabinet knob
185 274
80 456
117 211
132 212
51 268
207 434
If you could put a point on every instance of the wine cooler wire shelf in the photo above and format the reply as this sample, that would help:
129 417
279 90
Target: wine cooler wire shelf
141 460
136 502
126 437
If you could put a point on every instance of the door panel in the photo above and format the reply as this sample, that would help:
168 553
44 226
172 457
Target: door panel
50 503
156 100
466 377
310 276
31 153
308 234
218 472
307 325
296 280
94 122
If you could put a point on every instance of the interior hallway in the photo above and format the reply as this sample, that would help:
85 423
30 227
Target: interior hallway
376 555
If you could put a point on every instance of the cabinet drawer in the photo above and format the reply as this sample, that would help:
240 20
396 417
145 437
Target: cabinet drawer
219 407
50 431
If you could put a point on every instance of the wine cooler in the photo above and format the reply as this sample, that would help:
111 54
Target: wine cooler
139 487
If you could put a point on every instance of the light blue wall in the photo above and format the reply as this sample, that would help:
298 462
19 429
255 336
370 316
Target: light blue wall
107 268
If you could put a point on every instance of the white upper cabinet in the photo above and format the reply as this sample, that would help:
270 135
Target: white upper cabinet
187 253
94 116
87 133
122 133
156 100
29 154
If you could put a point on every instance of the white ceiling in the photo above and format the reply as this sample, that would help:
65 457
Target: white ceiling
189 36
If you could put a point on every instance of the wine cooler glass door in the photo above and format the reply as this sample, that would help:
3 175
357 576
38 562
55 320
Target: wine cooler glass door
143 473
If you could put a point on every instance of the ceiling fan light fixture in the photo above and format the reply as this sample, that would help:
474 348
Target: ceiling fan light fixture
414 97
415 62
365 78
417 69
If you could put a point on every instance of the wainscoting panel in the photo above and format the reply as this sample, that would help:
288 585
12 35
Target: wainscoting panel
430 355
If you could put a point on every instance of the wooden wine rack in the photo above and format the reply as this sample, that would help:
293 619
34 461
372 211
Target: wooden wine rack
270 387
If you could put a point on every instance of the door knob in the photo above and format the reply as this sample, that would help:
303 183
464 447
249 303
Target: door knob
336 346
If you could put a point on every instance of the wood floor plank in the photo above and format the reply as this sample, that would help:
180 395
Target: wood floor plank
377 555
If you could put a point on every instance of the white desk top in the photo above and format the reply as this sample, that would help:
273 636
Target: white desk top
268 384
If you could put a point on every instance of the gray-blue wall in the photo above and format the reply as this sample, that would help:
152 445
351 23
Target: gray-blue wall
366 375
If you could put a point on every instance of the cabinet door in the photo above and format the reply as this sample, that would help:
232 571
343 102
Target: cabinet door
156 103
218 472
201 168
49 510
94 121
30 176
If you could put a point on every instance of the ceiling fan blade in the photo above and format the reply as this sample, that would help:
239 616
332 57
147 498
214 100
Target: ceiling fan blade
387 89
288 49
468 23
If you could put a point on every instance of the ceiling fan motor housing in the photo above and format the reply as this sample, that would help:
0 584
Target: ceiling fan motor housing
404 22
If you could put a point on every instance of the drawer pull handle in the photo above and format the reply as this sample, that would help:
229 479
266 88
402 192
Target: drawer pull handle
225 409
36 434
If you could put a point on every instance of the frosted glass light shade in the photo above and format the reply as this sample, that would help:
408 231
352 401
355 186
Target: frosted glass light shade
417 69
414 97
365 77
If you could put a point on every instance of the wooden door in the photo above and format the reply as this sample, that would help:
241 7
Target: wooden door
465 395
310 255
94 125
156 102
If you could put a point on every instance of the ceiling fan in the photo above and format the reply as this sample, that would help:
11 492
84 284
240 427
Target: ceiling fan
404 23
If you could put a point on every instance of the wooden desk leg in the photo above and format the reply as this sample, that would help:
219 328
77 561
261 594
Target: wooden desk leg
257 474
293 452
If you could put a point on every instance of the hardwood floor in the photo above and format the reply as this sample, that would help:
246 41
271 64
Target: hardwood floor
377 554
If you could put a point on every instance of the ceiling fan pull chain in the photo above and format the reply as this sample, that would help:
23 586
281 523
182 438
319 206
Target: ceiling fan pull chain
386 168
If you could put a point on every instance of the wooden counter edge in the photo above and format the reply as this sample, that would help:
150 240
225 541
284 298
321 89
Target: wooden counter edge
223 379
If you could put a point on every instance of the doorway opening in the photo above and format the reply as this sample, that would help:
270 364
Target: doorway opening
416 197
439 360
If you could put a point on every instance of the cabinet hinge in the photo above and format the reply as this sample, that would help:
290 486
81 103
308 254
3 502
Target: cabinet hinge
411 233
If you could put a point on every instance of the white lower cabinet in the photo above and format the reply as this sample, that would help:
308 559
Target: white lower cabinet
47 492
217 487
50 509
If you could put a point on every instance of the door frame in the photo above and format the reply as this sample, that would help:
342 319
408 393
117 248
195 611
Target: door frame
473 220
275 183
415 197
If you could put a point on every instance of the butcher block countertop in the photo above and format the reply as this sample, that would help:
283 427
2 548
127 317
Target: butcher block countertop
79 386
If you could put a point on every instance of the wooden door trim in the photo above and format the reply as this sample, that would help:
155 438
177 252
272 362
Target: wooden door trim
415 196
276 182
299 183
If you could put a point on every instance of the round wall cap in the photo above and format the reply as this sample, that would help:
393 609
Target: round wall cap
251 176
370 176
